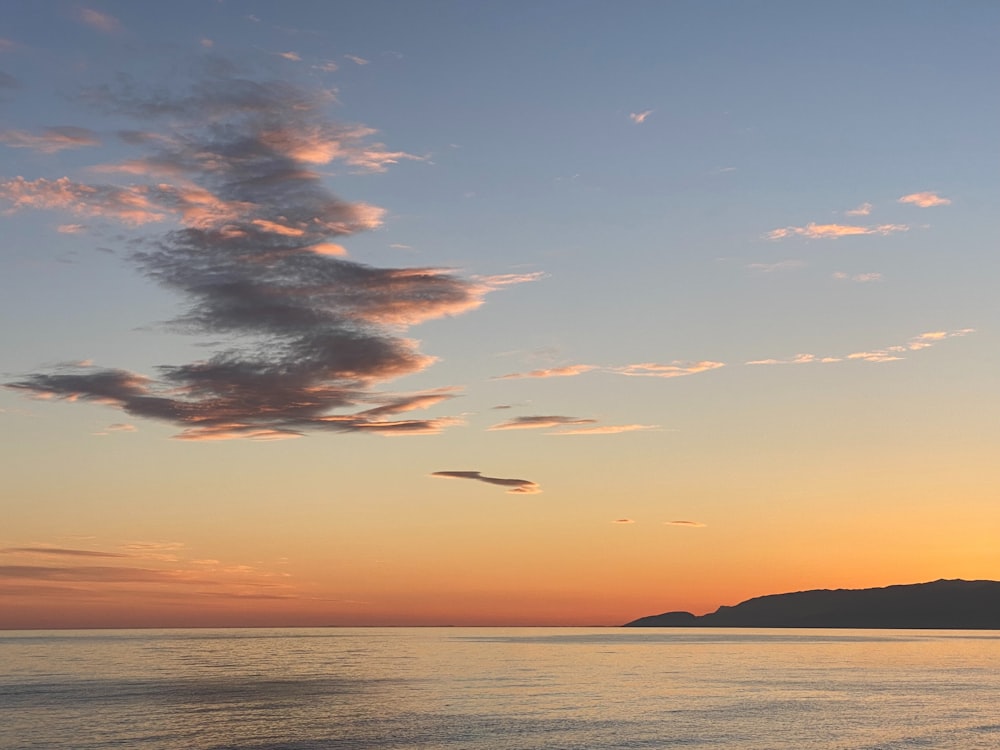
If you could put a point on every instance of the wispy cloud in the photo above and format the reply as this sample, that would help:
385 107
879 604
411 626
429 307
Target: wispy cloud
815 231
58 552
292 56
71 228
540 422
689 524
925 200
516 486
887 354
675 369
100 21
50 140
863 210
607 429
623 520
250 223
553 372
356 60
861 278
640 117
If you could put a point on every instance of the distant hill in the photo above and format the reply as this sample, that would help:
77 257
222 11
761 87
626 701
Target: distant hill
952 605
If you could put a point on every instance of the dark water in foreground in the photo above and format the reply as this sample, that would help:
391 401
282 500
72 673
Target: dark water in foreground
500 689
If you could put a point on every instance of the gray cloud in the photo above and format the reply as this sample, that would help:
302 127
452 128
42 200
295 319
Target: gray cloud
312 334
58 552
517 486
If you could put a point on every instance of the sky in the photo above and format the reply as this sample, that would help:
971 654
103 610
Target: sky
446 313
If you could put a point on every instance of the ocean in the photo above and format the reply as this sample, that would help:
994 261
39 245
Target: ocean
499 689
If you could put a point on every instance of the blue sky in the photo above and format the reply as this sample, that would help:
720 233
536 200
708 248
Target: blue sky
737 261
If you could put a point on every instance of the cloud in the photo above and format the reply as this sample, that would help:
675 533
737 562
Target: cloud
640 117
623 520
781 265
555 372
6 44
293 56
117 427
50 140
607 429
207 43
58 552
925 200
887 354
815 231
71 228
689 524
7 81
863 210
356 60
306 335
100 21
674 369
539 422
517 486
861 278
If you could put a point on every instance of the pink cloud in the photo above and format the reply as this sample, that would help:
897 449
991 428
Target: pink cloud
50 140
892 353
356 60
925 200
674 369
815 231
607 429
70 228
100 21
640 117
863 210
554 372
540 422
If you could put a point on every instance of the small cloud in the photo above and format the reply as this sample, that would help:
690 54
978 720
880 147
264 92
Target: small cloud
50 140
293 56
207 43
863 210
400 246
640 117
623 520
6 45
58 552
517 486
888 354
71 228
781 265
925 200
100 21
539 423
674 369
356 60
327 66
607 429
860 278
121 427
689 524
815 231
554 372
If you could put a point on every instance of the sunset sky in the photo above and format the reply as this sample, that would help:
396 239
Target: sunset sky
509 313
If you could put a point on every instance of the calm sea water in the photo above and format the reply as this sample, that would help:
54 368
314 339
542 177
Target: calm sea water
499 689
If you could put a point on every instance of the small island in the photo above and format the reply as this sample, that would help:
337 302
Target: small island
939 605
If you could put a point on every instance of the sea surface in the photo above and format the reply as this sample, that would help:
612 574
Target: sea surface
499 689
